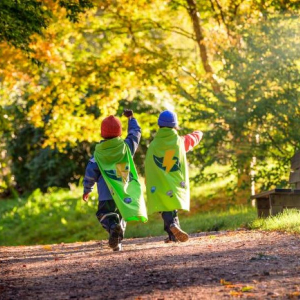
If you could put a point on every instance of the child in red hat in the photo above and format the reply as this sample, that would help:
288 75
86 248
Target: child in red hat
108 213
111 127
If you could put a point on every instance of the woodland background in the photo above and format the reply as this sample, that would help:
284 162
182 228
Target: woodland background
228 68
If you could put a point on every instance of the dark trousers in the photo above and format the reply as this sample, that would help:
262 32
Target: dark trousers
170 217
109 215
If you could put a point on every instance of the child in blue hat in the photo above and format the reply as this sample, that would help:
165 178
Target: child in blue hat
166 169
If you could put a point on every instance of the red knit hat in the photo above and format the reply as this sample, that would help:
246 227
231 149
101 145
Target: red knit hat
111 127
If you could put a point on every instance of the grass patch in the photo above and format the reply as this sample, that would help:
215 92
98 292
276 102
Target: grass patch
288 221
233 218
210 221
210 190
61 216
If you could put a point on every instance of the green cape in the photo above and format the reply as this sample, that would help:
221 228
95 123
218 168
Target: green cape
115 162
167 179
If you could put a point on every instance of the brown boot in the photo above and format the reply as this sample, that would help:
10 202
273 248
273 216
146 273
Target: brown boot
179 234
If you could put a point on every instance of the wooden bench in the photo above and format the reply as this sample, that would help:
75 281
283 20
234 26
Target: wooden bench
275 201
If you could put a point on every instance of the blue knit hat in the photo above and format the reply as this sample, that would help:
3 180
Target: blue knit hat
167 119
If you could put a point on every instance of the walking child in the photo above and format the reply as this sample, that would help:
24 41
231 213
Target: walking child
112 168
167 179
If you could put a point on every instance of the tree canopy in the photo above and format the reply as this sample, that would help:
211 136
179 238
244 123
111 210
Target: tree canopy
229 68
19 20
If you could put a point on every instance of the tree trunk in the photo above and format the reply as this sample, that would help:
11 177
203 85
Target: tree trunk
194 14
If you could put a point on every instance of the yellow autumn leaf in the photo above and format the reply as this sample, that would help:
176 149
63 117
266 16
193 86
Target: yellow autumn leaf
247 288
224 282
294 294
47 247
236 294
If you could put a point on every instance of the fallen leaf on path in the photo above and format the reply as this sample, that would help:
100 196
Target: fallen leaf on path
293 295
247 288
47 247
224 282
230 286
236 294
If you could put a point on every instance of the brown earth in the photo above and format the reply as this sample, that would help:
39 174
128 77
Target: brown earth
224 265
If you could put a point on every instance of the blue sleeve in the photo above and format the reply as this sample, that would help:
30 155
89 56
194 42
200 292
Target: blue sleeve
134 135
92 174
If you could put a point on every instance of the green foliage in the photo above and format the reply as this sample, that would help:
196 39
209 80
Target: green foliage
38 167
61 216
74 8
19 20
258 108
287 221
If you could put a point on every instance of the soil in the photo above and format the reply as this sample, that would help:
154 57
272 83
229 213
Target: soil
219 265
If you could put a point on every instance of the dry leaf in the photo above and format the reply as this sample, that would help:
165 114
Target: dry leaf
247 288
236 294
47 247
224 282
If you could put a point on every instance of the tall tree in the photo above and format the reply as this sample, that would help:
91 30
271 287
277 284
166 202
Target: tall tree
195 17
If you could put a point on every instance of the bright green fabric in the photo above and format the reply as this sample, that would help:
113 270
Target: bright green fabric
115 162
167 179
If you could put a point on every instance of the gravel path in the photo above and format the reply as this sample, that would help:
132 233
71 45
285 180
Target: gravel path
224 265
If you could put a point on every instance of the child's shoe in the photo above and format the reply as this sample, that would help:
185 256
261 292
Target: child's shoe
114 235
179 234
118 248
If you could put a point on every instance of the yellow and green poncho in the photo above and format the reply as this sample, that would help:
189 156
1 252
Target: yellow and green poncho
167 179
115 162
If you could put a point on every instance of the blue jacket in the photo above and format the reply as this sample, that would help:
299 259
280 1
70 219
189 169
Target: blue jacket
92 172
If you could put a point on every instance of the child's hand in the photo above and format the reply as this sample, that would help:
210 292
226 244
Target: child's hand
128 113
85 197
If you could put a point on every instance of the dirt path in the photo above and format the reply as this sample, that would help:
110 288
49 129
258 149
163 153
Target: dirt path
244 264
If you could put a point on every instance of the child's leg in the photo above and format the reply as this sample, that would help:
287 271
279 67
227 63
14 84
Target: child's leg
170 217
107 214
111 220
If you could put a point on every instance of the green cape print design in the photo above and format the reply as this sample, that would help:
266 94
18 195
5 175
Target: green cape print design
113 175
159 161
166 171
115 162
